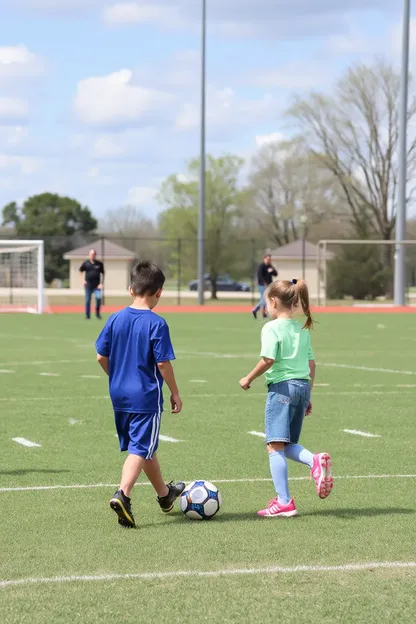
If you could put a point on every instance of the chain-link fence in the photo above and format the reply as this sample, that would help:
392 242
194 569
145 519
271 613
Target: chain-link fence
233 263
339 271
361 271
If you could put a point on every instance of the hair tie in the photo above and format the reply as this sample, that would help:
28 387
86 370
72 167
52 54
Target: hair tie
294 282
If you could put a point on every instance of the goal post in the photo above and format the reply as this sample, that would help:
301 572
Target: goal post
22 281
329 250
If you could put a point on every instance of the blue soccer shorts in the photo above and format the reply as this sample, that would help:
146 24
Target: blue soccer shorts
138 433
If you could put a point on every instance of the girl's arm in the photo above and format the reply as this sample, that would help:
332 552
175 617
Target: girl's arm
312 369
262 367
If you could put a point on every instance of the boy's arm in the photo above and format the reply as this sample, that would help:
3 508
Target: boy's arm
258 371
104 362
166 370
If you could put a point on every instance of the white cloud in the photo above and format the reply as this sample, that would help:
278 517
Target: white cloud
298 74
141 196
115 99
19 62
13 108
225 108
107 147
273 137
12 135
123 13
22 164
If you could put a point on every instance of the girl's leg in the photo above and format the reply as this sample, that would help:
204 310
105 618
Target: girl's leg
152 469
279 472
297 453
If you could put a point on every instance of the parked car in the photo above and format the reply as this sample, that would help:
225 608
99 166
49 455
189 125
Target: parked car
224 283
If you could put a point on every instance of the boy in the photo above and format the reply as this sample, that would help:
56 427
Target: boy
135 350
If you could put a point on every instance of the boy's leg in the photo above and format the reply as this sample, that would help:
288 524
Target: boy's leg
166 493
152 469
131 472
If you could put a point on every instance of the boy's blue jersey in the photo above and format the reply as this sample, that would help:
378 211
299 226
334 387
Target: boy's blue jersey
135 341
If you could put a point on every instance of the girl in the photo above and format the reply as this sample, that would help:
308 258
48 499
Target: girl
288 363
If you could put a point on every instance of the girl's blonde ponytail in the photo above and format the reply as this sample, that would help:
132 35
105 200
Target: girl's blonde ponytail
303 298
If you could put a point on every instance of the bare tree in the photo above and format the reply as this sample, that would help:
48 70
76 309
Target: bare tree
354 135
287 182
128 222
130 228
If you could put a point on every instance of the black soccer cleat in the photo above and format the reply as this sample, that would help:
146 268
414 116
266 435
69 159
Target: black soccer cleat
175 490
121 504
254 313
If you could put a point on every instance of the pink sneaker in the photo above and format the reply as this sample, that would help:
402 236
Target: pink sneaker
275 509
321 474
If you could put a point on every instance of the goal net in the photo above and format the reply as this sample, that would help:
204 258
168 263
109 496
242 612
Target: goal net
22 276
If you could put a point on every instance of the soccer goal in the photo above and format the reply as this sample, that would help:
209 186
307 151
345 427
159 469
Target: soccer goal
22 276
362 270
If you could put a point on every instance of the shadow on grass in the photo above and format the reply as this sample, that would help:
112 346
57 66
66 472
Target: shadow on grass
20 472
349 513
343 514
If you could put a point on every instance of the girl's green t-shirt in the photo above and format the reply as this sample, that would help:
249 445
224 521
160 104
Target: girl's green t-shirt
289 345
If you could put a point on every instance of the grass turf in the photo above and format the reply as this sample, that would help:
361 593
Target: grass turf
62 532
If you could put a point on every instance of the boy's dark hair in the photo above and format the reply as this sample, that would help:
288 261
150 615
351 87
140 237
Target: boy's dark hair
146 279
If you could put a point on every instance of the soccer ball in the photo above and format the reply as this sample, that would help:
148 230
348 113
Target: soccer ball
200 500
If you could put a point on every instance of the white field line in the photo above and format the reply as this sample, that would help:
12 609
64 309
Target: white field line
6 371
321 385
74 421
25 442
168 439
44 362
87 486
92 377
150 576
257 433
198 381
49 374
206 396
406 386
364 434
368 369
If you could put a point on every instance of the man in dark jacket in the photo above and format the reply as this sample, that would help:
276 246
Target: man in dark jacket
265 274
92 275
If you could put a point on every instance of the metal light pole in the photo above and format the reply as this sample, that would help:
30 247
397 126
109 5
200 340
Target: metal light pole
303 221
201 223
399 257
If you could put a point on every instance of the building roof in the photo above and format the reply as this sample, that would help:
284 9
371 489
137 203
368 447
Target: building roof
105 248
295 251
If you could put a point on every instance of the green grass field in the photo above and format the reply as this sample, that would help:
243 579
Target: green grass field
366 381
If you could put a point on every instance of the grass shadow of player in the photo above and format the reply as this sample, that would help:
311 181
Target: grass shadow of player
21 472
353 513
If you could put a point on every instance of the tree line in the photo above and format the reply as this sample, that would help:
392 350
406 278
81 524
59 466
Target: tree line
336 177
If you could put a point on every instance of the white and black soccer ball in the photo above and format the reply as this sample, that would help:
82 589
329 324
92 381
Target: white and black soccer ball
200 500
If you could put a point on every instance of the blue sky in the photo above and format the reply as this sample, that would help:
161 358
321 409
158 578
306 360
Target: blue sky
99 99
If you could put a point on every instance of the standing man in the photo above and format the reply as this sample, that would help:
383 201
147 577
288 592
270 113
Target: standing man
265 274
92 275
